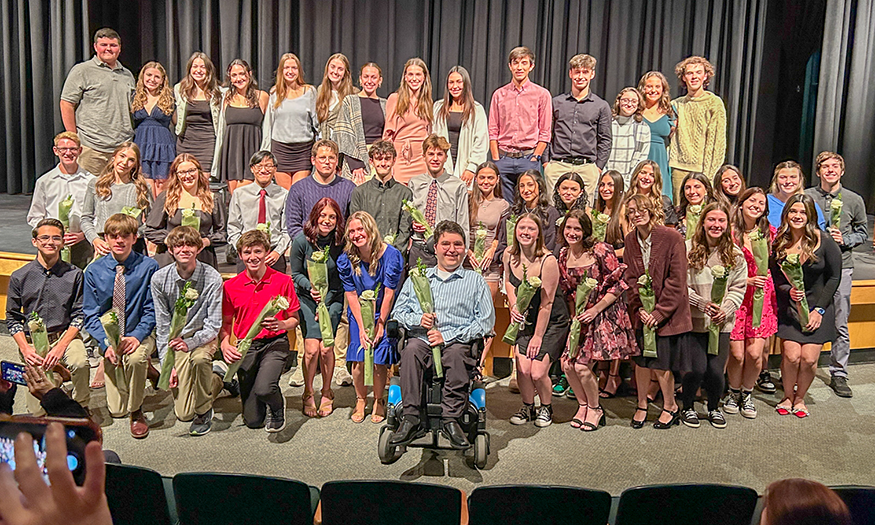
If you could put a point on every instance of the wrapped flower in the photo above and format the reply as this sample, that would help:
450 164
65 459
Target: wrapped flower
274 306
389 239
422 288
600 225
132 211
64 208
190 218
524 295
648 302
759 245
480 245
264 227
417 216
718 271
187 297
510 226
581 297
39 336
317 271
368 305
792 268
110 323
835 212
692 219
718 291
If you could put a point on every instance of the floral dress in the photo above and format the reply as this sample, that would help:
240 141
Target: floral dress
743 328
610 335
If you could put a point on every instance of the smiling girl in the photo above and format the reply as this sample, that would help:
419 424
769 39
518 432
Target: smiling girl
154 112
409 118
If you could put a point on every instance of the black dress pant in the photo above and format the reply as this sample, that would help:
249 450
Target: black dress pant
259 376
458 365
706 370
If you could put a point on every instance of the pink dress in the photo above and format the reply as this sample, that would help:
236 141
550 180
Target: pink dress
406 132
743 328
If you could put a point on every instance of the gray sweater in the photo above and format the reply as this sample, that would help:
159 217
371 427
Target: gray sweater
95 210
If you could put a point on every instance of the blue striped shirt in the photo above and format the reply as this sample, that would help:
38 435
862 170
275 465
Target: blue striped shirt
462 302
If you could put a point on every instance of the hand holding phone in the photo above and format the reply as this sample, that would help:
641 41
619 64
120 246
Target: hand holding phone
13 372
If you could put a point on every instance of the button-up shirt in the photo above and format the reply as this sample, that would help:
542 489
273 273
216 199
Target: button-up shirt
139 308
204 317
383 202
854 224
630 144
452 199
462 302
243 214
306 193
52 188
244 298
581 128
54 293
519 118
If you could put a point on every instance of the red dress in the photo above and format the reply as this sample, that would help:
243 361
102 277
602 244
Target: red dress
743 328
609 336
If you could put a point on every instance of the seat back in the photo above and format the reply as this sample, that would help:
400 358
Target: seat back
686 504
390 503
136 496
217 499
538 504
860 501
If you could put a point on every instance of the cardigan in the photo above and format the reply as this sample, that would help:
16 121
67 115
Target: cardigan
668 271
473 140
349 133
700 282
182 107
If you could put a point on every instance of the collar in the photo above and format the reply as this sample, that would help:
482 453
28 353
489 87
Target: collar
195 276
621 120
269 189
129 263
458 273
329 183
384 185
512 86
55 269
440 178
101 63
825 193
265 279
587 98
79 173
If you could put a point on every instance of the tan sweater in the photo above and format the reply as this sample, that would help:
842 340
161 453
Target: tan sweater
699 283
699 144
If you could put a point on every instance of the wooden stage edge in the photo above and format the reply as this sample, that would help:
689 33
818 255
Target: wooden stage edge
861 323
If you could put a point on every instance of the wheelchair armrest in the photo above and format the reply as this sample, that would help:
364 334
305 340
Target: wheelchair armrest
394 330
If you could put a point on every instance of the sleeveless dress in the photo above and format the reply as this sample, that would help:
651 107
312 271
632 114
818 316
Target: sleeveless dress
156 142
659 132
556 336
199 136
743 328
242 139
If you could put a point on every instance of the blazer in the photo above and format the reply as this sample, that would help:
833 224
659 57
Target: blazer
473 140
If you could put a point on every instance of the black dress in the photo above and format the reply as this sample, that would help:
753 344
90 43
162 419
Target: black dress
556 336
198 138
212 227
822 278
242 139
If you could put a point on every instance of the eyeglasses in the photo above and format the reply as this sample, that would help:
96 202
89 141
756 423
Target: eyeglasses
265 167
633 212
50 238
187 172
65 150
629 101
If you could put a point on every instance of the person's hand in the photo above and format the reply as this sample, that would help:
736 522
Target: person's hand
814 320
467 176
836 235
379 331
271 258
719 317
174 379
314 293
427 321
206 241
229 352
271 324
516 316
100 246
129 344
711 309
71 238
588 315
473 259
53 357
758 281
435 338
359 176
487 258
418 228
26 499
534 347
5 386
178 345
647 318
111 355
364 340
37 381
796 294
31 357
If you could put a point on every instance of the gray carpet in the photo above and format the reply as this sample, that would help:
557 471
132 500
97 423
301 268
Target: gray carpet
836 445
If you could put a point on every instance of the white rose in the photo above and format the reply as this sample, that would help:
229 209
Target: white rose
695 209
369 295
643 280
793 258
590 282
718 271
603 218
534 282
282 303
836 204
191 294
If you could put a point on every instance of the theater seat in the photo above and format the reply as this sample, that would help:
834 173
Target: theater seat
234 499
860 501
538 505
686 505
139 496
390 503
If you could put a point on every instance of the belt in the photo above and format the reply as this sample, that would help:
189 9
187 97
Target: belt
577 161
516 154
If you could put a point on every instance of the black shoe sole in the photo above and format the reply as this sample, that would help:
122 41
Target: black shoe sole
404 443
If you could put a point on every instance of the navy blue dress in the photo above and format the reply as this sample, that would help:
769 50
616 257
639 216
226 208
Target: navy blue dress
156 142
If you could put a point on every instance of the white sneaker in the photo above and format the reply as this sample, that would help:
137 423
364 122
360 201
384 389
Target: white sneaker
297 378
342 377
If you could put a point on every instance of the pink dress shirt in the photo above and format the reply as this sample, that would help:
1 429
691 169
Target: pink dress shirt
519 118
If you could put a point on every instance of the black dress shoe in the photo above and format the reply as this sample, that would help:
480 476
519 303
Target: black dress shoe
455 434
408 431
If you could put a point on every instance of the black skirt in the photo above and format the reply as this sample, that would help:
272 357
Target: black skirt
291 158
667 351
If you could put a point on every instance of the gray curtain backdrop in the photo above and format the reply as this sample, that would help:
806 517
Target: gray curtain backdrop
845 119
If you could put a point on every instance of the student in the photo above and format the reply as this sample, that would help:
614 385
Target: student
120 282
462 121
360 124
198 104
152 128
68 178
519 121
192 381
440 195
335 87
699 144
630 136
51 288
409 118
581 129
659 115
243 299
787 181
850 233
729 185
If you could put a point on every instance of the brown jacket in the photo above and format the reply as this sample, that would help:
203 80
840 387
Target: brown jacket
668 271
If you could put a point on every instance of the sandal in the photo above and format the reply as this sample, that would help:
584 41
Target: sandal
783 410
590 427
309 404
358 413
575 422
326 407
604 393
638 424
378 413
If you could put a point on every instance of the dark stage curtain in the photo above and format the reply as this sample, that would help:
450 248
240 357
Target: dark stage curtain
40 40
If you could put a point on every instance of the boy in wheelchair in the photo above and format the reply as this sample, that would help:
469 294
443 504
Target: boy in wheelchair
463 314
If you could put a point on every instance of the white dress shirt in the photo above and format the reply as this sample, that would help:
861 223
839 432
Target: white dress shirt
53 187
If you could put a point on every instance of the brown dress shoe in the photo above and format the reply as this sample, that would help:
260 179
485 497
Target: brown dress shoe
139 427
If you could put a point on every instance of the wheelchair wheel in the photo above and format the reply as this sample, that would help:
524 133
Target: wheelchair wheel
388 453
481 450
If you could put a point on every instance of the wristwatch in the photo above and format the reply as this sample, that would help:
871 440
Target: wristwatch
820 310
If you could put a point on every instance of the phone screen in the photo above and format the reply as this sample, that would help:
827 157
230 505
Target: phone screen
13 372
78 435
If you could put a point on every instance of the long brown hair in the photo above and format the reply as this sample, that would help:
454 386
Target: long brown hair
103 184
614 231
699 250
166 103
311 227
375 243
784 238
323 94
467 96
187 86
540 249
762 224
587 240
424 105
174 186
665 100
477 196
730 201
709 192
655 193
280 87
251 94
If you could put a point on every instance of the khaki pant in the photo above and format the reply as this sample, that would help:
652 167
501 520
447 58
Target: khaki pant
127 396
75 358
588 172
677 179
94 161
194 370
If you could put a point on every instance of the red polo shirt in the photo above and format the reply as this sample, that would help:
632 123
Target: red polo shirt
244 299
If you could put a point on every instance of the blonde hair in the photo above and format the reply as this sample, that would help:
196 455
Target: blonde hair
174 186
424 104
655 193
786 165
323 94
580 61
166 103
374 246
103 184
280 87
69 135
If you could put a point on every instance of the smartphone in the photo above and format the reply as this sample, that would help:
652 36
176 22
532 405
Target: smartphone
13 372
79 433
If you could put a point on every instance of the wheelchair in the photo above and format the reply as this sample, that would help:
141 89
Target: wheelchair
473 420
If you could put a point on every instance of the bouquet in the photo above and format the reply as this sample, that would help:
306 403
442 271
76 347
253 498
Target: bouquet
190 218
760 248
263 227
510 226
599 225
692 220
581 296
368 304
718 290
390 238
317 270
792 268
480 245
132 211
111 326
648 302
417 216
426 303
64 208
39 336
524 295
835 212
187 297
275 305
